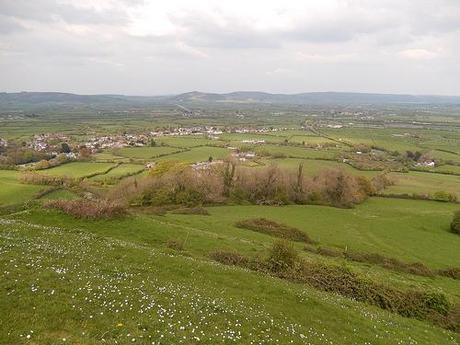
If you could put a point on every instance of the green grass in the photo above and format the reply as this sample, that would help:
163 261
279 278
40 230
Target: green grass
185 141
423 183
78 169
12 191
109 156
239 137
60 194
315 167
89 289
198 154
310 140
297 152
122 170
145 152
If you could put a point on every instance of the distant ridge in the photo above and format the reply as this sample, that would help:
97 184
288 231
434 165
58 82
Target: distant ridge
314 98
9 100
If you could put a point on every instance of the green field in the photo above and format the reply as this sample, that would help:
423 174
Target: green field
198 154
125 169
296 151
310 140
12 191
151 274
145 152
315 166
185 141
423 183
60 194
78 169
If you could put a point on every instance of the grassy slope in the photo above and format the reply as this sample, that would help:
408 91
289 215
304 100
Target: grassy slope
86 289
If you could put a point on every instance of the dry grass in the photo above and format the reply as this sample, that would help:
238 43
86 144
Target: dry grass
89 209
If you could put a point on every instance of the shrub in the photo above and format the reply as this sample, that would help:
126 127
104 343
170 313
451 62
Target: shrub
282 256
455 225
452 272
83 208
229 258
275 229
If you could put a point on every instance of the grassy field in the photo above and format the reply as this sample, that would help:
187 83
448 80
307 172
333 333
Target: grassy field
125 169
423 183
78 169
198 154
296 151
145 152
315 167
60 194
310 140
114 281
185 141
12 191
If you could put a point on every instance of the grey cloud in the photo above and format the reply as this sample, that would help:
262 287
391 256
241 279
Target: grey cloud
51 10
10 25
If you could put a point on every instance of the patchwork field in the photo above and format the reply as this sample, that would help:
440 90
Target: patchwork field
196 256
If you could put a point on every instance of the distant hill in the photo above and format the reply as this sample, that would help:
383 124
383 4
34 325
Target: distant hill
314 98
34 99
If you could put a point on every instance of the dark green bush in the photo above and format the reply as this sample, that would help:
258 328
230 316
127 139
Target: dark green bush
274 229
455 225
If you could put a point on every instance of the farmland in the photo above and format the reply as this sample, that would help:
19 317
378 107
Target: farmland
135 236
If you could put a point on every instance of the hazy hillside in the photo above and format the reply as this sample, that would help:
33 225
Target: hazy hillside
31 99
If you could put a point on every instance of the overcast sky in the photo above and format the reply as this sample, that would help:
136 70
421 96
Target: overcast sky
156 47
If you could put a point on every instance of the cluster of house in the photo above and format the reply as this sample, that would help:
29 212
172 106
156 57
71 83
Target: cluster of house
117 141
194 130
47 141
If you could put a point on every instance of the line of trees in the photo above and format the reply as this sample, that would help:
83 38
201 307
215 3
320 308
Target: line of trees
176 184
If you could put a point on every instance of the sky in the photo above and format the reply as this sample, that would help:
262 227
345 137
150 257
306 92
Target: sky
157 47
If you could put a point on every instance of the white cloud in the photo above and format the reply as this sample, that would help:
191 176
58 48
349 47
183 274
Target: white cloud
418 54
